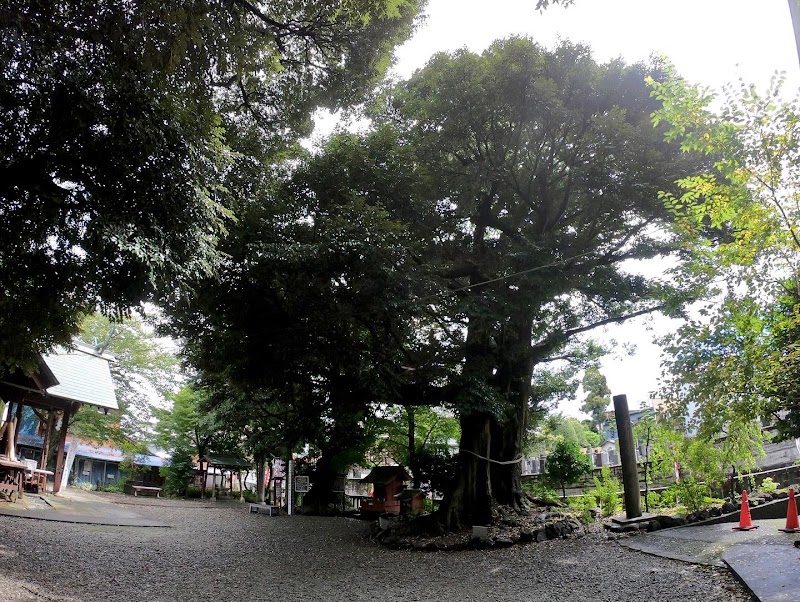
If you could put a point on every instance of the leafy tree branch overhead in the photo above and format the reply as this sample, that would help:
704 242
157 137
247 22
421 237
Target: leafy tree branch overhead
121 138
740 222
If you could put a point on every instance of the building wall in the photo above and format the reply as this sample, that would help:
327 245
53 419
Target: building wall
96 472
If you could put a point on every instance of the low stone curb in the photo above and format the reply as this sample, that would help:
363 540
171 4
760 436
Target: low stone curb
763 506
555 529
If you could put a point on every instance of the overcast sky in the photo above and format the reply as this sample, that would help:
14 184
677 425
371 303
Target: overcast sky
711 42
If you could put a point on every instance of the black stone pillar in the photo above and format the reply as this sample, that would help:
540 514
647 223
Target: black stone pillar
627 456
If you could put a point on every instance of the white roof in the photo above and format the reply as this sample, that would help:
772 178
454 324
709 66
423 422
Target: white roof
83 375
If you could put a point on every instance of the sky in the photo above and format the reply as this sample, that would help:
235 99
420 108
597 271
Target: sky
710 42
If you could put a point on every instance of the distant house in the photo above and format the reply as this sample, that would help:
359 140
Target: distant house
94 464
99 465
608 428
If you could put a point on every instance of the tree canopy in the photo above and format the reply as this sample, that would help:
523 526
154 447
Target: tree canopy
125 128
448 255
543 170
597 396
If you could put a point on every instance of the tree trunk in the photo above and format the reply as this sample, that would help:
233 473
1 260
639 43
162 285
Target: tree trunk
261 470
321 495
513 379
413 458
470 502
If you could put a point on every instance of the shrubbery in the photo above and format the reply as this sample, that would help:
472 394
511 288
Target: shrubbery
653 499
606 491
768 486
541 491
115 487
583 504
178 473
693 495
566 464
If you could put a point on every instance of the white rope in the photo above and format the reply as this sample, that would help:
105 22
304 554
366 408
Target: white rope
518 460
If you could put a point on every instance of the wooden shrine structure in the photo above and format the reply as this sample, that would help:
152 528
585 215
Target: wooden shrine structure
64 380
224 464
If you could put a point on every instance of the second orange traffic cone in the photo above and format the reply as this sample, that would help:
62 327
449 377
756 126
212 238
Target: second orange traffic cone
792 525
745 523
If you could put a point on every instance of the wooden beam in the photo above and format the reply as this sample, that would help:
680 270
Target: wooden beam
62 443
18 425
8 430
48 431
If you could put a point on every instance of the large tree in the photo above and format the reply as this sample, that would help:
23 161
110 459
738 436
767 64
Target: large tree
542 172
125 126
304 311
448 254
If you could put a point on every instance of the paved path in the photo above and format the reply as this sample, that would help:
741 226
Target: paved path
74 506
764 559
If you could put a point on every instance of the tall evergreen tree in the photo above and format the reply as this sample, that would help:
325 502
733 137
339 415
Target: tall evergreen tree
542 173
596 402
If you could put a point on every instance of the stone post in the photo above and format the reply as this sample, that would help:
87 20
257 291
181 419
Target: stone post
627 454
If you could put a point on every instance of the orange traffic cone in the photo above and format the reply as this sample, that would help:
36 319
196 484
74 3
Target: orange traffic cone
745 524
792 525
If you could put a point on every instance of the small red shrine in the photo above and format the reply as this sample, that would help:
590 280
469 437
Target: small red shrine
388 482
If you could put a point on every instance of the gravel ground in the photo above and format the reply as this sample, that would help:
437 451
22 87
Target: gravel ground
223 552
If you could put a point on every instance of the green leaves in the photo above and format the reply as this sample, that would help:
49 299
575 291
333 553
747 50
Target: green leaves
739 221
566 464
126 131
143 372
597 395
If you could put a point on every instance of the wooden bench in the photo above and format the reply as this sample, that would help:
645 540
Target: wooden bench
138 488
12 478
264 509
36 482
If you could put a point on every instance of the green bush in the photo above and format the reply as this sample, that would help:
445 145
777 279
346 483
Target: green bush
768 486
566 464
668 499
178 472
115 487
193 491
606 491
540 490
653 499
693 495
250 496
584 504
